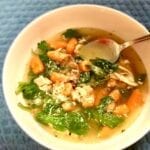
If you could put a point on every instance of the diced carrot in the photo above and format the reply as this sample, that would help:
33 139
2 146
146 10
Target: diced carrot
99 93
71 45
135 100
57 77
58 56
36 64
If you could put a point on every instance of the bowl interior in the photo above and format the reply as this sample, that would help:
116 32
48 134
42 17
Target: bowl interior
48 25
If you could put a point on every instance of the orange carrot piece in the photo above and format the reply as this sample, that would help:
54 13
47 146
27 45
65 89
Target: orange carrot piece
135 100
57 77
71 45
58 56
36 64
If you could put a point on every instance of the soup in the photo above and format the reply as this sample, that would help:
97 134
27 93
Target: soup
78 99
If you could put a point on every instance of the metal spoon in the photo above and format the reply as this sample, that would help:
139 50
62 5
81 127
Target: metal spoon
106 48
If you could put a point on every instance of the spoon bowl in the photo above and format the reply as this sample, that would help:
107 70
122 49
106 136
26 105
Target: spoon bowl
106 48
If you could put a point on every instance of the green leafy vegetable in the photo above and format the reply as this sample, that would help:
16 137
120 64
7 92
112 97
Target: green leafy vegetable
44 58
98 72
85 77
98 76
27 108
91 114
72 121
56 121
76 123
105 65
29 90
70 33
53 108
31 75
44 47
110 120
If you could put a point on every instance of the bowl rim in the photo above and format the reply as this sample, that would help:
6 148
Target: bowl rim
34 21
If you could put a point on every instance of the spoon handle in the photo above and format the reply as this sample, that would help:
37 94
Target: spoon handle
138 40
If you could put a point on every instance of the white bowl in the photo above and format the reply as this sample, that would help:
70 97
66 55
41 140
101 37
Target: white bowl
51 23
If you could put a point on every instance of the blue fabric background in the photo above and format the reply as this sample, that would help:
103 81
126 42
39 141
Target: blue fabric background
14 16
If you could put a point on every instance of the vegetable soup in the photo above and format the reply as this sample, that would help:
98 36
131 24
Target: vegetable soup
79 99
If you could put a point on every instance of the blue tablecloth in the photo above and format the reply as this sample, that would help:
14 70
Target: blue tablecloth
14 15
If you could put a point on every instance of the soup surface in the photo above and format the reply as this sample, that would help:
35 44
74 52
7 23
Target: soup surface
79 99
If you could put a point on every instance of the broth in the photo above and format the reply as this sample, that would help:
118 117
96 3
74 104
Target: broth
136 66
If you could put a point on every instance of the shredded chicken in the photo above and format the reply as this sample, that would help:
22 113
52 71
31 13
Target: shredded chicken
125 76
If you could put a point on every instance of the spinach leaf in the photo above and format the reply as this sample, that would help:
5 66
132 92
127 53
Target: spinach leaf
110 120
27 108
71 121
56 121
53 114
76 123
29 90
98 72
53 108
44 58
44 47
105 65
70 33
85 77
91 114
